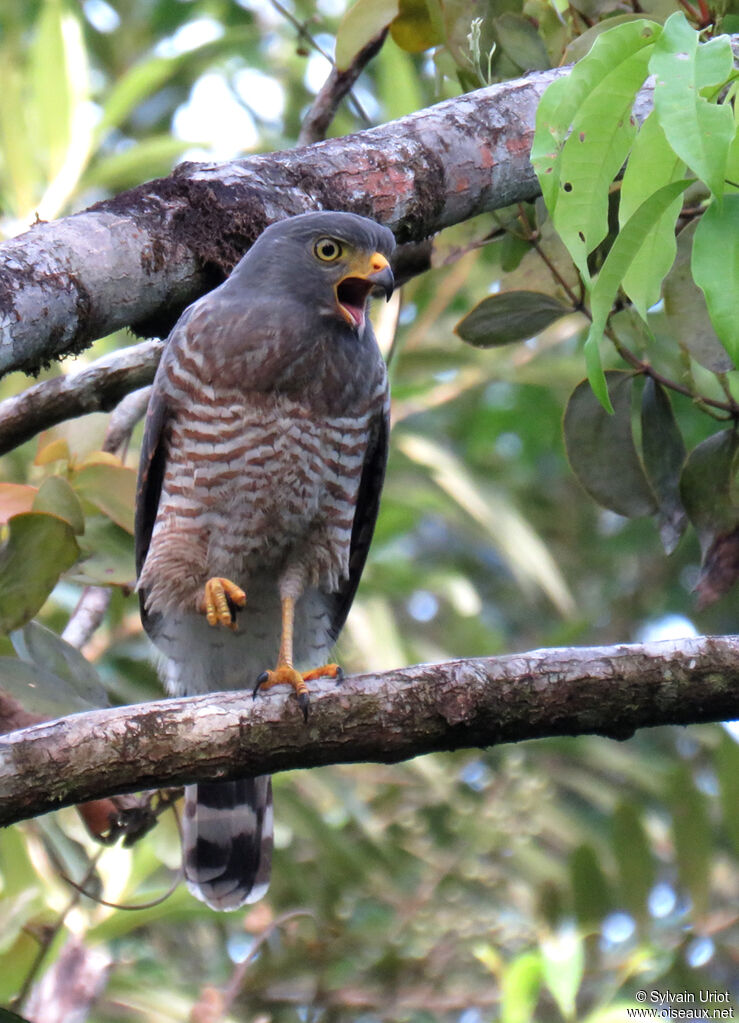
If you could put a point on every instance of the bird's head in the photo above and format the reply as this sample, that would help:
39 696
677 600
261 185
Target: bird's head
331 262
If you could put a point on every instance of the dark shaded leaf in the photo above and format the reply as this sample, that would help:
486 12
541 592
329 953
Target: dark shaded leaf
601 450
664 455
590 892
719 570
706 489
691 834
107 555
38 549
521 42
512 251
706 485
727 767
634 859
39 691
39 646
508 317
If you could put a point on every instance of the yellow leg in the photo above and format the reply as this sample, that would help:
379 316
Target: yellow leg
220 600
285 673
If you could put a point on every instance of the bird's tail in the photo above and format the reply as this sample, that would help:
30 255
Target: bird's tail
227 840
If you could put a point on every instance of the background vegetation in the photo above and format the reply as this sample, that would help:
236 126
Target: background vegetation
547 881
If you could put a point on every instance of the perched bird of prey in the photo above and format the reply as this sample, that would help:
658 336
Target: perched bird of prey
261 468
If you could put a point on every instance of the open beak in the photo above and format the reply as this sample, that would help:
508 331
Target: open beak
353 290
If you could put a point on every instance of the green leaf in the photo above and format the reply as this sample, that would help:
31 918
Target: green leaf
726 760
60 82
361 23
111 488
39 691
601 450
509 316
691 833
664 457
519 988
625 250
634 858
715 267
575 169
56 497
39 646
38 549
706 487
521 42
106 555
700 132
148 158
686 309
591 896
707 492
414 29
563 962
652 164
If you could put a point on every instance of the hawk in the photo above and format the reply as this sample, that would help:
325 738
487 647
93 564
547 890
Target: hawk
261 468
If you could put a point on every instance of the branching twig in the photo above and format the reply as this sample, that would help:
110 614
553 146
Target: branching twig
603 690
334 89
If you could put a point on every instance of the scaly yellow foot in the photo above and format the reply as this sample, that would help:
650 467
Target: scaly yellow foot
285 674
220 600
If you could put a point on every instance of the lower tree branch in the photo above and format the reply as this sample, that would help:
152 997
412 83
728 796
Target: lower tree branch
96 388
608 691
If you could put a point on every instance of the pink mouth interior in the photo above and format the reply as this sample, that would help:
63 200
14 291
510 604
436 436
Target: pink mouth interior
352 294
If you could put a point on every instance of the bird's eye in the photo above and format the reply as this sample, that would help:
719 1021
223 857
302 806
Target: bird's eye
327 249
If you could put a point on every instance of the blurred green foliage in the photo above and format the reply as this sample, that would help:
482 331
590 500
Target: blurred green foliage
548 881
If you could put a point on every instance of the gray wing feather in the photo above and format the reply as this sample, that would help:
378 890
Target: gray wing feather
365 518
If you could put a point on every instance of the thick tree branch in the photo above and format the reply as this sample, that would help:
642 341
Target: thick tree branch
138 259
603 690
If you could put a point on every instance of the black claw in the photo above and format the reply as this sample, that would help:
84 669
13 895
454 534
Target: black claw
261 678
339 675
304 704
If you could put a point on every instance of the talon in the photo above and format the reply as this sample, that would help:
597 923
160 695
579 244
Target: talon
220 601
261 679
284 674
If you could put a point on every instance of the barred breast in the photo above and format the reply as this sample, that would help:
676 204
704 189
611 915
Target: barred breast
252 482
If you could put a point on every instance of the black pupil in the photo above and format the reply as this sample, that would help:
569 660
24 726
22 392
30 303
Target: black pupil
328 250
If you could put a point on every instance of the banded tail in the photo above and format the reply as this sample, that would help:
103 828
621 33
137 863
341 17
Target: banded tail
227 841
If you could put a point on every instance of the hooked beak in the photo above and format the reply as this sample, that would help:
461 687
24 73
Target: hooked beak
353 290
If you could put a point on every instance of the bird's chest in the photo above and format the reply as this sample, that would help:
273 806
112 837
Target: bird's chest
267 479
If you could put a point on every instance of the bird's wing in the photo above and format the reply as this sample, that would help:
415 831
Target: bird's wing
149 487
365 517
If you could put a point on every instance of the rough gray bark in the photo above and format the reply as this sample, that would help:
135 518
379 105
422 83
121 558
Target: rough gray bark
138 259
608 691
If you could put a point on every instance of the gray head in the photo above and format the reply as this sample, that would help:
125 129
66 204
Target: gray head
331 261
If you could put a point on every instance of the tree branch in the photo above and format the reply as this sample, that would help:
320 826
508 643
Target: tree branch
139 258
334 89
607 691
96 388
